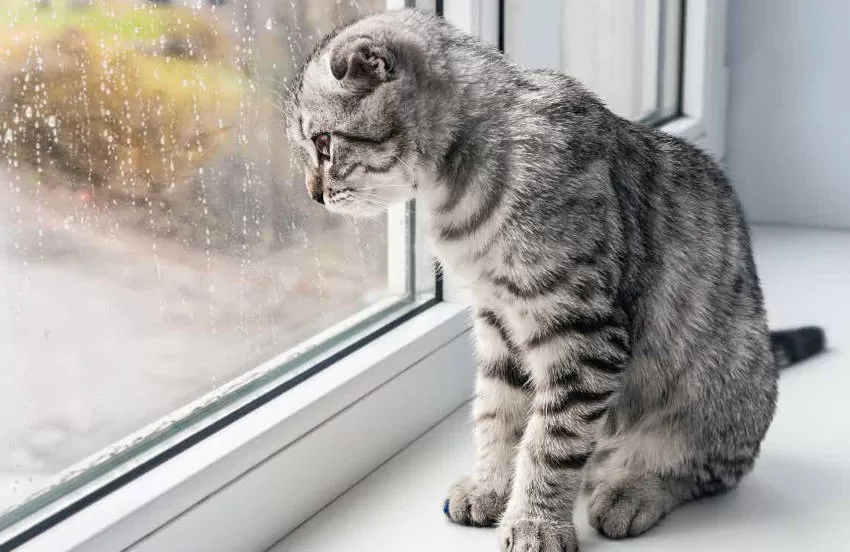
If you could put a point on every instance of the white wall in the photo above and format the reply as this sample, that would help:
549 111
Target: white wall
788 148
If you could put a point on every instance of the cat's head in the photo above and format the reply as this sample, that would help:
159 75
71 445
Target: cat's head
352 116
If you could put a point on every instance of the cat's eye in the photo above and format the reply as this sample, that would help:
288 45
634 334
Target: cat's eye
323 145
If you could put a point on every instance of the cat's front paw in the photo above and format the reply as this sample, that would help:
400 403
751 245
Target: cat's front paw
537 535
470 503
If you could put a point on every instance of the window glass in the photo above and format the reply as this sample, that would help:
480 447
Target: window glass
627 51
156 241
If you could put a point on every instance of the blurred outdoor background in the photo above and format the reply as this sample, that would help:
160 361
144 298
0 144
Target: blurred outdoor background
155 236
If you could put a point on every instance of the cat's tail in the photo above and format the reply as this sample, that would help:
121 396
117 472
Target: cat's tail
796 345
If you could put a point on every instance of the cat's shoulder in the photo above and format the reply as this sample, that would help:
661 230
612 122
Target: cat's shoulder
557 95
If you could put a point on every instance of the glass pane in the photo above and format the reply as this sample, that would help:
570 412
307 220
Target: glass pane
627 52
670 52
156 241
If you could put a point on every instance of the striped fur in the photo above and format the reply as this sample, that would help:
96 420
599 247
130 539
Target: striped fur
619 320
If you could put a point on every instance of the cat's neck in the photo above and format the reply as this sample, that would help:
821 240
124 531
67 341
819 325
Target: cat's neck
465 181
463 199
462 182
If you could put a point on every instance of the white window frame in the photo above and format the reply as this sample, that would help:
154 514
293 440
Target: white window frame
538 43
705 79
252 482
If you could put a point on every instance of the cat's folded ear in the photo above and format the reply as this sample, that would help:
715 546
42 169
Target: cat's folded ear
362 64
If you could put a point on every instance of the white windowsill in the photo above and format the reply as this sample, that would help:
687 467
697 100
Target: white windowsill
796 499
267 447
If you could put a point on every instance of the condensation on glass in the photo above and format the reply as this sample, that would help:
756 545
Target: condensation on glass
156 241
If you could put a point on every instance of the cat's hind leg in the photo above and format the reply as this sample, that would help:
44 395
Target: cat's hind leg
638 479
631 504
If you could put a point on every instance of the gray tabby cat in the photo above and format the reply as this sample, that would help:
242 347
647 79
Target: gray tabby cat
621 335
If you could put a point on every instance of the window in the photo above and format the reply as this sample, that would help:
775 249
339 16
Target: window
660 62
628 53
299 411
162 265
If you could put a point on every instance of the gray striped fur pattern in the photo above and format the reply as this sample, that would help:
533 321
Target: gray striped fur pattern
619 323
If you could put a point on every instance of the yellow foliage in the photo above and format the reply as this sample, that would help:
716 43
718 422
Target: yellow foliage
105 98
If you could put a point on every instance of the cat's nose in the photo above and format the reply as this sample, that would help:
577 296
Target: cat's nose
314 188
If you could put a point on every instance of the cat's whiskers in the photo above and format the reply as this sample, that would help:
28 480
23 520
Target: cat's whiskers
383 187
370 202
402 161
374 202
278 107
386 204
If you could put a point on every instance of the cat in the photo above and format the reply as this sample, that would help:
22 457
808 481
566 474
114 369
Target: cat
621 337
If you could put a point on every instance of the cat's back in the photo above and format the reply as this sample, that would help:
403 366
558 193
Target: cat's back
560 118
558 99
665 201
